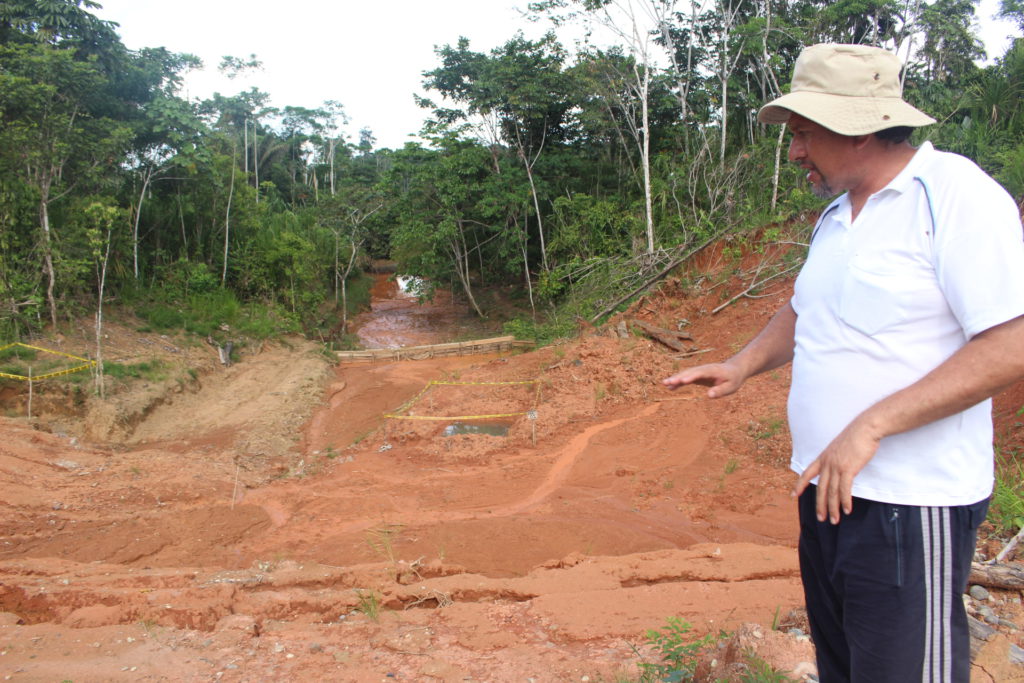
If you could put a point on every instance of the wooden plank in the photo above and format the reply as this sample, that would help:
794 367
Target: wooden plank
666 337
492 345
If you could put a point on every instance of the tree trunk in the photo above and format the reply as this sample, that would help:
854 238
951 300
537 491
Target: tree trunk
44 223
462 270
536 208
256 159
102 282
227 224
344 288
645 154
725 92
138 215
778 162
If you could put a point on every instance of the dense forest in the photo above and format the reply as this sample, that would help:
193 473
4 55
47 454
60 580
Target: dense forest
565 175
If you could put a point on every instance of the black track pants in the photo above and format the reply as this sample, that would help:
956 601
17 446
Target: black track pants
884 591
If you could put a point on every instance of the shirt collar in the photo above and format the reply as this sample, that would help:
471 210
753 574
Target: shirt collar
905 178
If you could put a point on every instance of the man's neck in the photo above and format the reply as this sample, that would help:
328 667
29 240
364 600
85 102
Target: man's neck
883 162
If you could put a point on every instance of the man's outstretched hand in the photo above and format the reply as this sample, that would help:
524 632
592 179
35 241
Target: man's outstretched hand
722 378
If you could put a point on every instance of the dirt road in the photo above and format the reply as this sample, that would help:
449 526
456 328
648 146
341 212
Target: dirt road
266 522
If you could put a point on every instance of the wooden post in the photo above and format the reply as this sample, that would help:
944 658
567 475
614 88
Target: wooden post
30 392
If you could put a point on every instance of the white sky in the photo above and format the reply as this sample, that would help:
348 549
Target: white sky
367 55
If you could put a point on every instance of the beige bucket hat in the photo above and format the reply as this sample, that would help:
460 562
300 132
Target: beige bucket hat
849 89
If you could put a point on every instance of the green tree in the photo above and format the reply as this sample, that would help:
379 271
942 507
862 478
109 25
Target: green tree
50 136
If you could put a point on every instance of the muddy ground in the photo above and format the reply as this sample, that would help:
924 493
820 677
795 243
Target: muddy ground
266 522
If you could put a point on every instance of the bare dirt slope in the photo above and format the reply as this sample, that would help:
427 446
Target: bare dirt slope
265 522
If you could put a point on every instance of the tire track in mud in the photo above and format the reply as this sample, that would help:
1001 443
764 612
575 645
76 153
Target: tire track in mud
558 472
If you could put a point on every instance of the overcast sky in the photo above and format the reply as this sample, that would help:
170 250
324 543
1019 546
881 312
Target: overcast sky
369 56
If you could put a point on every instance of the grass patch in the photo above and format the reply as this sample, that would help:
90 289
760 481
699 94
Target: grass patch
1006 511
151 370
542 333
368 603
216 314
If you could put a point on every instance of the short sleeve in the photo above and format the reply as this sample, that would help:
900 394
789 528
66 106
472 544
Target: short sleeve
979 252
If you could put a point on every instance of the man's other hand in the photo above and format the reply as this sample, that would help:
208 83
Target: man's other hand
836 468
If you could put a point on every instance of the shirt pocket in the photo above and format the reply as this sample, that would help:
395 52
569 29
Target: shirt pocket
870 302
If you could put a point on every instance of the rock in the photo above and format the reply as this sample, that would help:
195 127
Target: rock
238 622
94 616
10 619
805 670
978 592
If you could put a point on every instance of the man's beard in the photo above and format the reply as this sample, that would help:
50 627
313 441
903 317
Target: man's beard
822 190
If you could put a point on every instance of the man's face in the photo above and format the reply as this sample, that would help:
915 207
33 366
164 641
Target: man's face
821 152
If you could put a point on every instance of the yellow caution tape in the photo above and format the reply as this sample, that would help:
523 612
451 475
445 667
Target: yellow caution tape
455 417
484 384
86 363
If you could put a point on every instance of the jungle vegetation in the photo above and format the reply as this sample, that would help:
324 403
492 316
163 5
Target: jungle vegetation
565 175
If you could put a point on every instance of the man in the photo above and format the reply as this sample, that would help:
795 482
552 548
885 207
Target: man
905 320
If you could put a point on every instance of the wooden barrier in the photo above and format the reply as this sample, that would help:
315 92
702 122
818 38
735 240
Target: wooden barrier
492 345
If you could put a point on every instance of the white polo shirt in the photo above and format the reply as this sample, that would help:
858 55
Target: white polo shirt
934 258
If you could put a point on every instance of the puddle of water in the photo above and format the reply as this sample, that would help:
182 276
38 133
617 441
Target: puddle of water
489 428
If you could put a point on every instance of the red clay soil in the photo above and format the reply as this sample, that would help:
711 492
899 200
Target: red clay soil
265 521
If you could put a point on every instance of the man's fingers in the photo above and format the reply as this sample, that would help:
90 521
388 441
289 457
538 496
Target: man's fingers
833 500
821 500
805 479
846 495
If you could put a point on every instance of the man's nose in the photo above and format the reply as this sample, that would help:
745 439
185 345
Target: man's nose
796 150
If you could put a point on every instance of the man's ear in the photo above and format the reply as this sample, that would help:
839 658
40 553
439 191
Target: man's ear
861 141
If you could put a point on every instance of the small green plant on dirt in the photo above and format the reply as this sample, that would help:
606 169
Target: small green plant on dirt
731 466
760 671
330 453
368 603
677 650
148 625
777 618
765 428
381 540
599 391
1006 511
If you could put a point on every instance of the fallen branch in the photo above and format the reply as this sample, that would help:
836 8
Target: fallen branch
693 353
1006 576
753 286
650 281
1009 546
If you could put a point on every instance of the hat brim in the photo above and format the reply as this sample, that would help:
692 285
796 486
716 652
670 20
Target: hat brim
844 114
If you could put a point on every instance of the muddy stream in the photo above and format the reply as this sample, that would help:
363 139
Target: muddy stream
397 318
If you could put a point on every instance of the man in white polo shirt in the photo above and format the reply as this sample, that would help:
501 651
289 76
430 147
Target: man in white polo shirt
906 318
